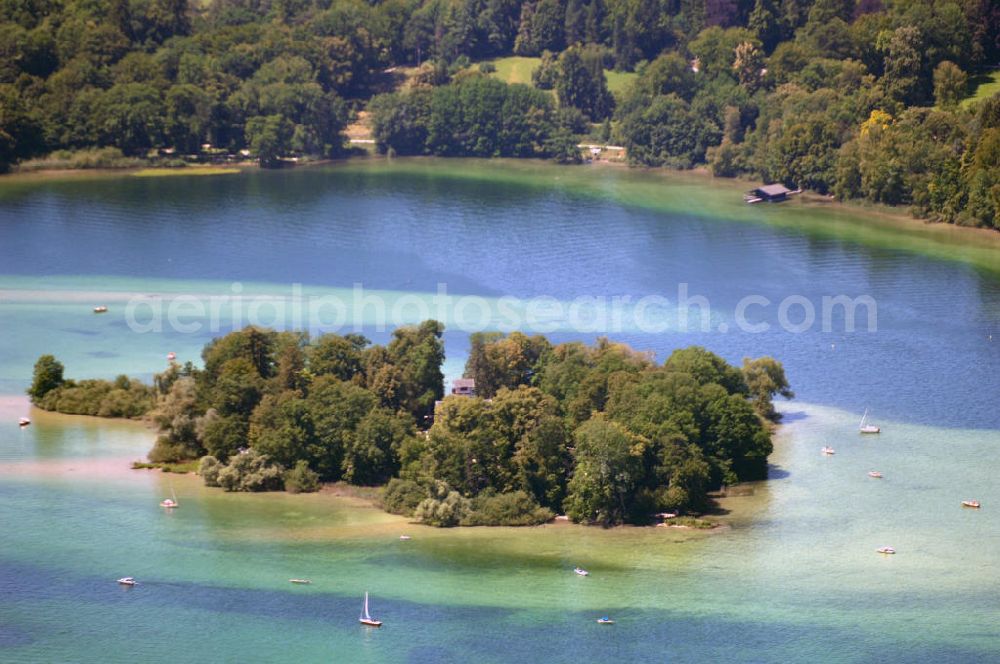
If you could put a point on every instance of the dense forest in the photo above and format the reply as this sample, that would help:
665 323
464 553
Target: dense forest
602 433
858 98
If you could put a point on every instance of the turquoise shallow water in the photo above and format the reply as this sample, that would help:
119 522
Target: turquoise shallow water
793 576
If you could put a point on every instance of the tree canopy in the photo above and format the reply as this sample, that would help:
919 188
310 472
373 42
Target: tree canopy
780 91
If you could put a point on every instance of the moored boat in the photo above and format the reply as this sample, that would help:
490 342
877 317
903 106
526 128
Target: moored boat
886 550
23 422
828 451
404 537
867 428
100 310
171 356
127 581
605 621
581 571
171 502
366 619
875 474
300 581
971 503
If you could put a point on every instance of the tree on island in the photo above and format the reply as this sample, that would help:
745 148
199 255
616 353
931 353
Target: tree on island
608 473
48 375
765 378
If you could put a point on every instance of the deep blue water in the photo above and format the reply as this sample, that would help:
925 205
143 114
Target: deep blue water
931 360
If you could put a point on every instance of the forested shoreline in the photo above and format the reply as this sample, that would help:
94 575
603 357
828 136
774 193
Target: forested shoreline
602 433
857 98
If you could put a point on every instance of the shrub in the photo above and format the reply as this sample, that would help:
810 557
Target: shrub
167 451
251 471
122 397
209 470
516 508
459 64
561 146
228 478
107 157
692 522
301 479
402 496
127 403
443 513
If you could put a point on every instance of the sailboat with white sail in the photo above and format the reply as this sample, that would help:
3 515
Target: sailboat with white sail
867 428
171 502
366 618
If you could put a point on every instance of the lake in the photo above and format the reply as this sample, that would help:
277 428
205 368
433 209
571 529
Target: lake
657 260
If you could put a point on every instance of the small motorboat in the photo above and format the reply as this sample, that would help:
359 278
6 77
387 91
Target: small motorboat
405 538
127 581
100 310
581 571
23 422
366 618
828 451
605 621
300 581
875 474
974 504
171 356
886 550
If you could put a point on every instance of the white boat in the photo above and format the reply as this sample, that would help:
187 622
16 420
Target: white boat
605 621
100 310
366 619
828 451
886 549
971 503
127 581
23 422
170 503
581 571
867 428
171 356
300 581
404 537
875 474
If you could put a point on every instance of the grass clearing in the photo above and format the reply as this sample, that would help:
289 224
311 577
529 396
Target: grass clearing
985 85
517 69
618 81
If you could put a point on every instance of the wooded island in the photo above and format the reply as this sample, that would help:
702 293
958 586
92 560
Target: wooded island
601 433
